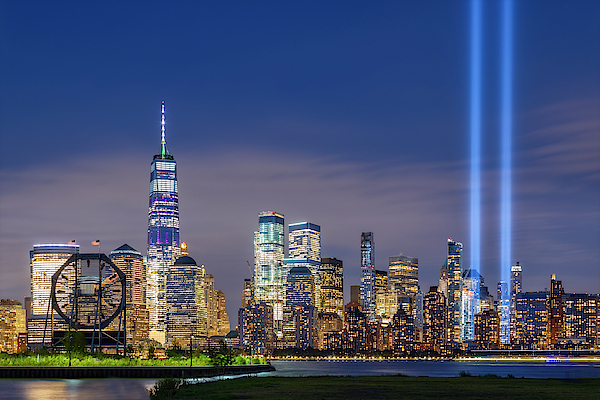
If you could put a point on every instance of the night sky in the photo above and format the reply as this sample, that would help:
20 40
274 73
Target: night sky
351 115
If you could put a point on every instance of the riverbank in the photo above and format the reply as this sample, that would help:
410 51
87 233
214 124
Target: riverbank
147 372
392 387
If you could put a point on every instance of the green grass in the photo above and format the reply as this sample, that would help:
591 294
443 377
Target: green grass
15 360
392 387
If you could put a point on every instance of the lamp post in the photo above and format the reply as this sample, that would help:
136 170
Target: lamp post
191 350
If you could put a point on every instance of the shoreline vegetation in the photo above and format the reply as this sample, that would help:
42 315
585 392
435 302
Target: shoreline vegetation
111 360
388 386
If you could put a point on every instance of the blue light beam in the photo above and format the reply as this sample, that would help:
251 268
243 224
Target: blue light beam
506 150
475 109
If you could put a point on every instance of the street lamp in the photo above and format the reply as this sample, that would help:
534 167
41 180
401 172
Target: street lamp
191 349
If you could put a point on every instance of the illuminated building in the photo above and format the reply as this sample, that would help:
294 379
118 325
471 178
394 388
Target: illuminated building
131 262
163 234
268 258
403 331
304 242
181 287
434 320
13 330
418 316
472 282
556 319
299 307
531 320
355 327
403 281
504 310
367 268
332 287
45 260
380 292
580 320
516 287
247 295
223 326
256 328
487 329
330 326
454 265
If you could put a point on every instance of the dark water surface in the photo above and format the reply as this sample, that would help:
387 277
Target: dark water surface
134 389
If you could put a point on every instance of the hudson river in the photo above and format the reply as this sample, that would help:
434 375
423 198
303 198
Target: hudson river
105 389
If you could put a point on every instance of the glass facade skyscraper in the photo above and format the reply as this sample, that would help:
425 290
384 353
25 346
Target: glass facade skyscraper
163 233
268 257
454 265
367 269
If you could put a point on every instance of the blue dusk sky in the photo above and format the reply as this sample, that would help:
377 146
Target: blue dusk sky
353 115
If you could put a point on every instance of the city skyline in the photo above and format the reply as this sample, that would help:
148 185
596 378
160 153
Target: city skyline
370 158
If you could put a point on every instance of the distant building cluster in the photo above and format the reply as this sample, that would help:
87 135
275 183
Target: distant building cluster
168 299
296 303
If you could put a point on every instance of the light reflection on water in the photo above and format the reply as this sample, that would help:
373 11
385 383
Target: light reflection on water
134 389
75 389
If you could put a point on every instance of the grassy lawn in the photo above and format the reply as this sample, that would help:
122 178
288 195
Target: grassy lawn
392 387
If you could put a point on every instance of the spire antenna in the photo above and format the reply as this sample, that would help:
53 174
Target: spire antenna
163 138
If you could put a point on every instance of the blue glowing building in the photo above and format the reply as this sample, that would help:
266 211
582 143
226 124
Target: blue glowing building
367 269
163 233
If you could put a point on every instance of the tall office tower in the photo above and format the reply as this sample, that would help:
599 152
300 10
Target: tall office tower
131 262
332 287
367 269
472 282
581 318
268 258
355 294
434 321
223 326
487 329
299 313
556 317
163 233
532 320
418 316
181 315
304 241
403 324
504 311
247 295
380 291
454 264
516 286
404 275
13 330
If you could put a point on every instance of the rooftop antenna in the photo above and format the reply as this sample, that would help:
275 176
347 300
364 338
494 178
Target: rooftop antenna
163 139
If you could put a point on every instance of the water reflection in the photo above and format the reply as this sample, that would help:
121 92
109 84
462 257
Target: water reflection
75 389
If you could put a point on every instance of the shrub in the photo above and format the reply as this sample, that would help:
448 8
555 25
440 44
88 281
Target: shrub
464 374
165 388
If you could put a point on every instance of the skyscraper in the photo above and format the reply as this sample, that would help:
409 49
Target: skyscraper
304 241
556 312
404 275
268 257
504 310
454 265
131 262
182 312
367 269
434 320
163 233
332 287
516 287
